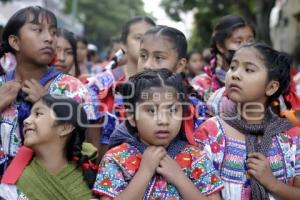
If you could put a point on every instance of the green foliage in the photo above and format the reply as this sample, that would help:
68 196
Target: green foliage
208 12
104 19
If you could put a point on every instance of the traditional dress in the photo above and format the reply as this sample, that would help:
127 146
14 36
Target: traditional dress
11 118
35 182
229 157
120 164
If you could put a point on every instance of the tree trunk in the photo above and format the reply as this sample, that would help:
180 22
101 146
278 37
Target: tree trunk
263 9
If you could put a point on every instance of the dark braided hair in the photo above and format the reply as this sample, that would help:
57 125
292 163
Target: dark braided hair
278 66
132 90
224 29
177 38
69 111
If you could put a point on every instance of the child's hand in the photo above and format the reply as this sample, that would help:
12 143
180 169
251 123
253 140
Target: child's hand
259 168
9 92
169 169
151 158
34 90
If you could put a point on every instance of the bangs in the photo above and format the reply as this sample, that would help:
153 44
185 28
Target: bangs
38 15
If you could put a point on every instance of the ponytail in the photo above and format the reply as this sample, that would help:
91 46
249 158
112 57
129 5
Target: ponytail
74 153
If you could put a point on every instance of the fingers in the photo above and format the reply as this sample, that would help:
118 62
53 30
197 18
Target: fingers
257 155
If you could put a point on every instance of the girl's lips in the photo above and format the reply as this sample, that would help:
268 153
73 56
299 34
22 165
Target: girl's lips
162 134
234 86
47 50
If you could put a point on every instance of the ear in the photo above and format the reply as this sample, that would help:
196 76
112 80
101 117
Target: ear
131 120
181 65
220 48
65 129
272 87
13 41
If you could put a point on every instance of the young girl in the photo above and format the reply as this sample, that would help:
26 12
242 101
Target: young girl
30 34
66 53
229 34
166 47
163 47
157 162
131 35
256 152
195 64
51 165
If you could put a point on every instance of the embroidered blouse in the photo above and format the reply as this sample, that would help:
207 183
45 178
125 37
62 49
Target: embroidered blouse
120 164
229 156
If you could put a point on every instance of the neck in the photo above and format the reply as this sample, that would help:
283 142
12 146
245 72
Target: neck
253 113
130 68
28 70
51 158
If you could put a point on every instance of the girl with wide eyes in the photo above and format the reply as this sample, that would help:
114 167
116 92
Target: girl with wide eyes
156 162
255 149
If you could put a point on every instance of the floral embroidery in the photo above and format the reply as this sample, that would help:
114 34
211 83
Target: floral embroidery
229 155
120 168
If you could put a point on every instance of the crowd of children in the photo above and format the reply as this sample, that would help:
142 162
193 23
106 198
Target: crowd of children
163 123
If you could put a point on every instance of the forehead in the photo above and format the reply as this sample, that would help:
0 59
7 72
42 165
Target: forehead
62 42
249 55
243 32
154 42
159 95
40 105
41 18
139 27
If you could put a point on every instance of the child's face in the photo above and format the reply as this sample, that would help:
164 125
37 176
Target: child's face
37 42
136 31
239 37
157 52
196 63
64 55
39 127
247 77
158 118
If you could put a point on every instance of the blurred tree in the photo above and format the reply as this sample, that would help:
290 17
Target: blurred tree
104 19
208 12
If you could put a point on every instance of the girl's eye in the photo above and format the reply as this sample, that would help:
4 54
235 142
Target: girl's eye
232 67
151 110
249 70
53 32
38 114
143 56
69 52
39 30
238 42
159 58
173 110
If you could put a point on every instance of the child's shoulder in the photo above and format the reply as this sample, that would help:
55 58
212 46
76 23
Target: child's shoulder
211 127
191 152
124 150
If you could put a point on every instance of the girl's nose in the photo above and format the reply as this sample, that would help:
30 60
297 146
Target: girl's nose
148 64
162 118
235 75
60 54
49 37
27 121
